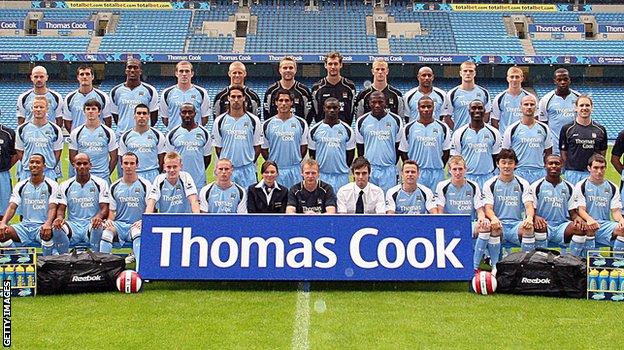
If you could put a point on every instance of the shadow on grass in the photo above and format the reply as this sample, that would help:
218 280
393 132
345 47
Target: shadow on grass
314 286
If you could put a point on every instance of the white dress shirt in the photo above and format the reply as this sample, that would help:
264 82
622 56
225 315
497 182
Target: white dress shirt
374 200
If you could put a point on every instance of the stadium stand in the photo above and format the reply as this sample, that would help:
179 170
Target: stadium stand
439 38
148 32
487 38
346 30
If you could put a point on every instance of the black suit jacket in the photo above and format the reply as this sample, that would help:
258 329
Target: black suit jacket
257 200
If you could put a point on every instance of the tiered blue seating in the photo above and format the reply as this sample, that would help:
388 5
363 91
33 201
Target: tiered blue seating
148 32
35 44
13 15
201 43
292 30
439 40
67 15
483 34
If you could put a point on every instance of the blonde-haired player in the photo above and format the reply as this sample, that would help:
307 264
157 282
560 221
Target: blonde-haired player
506 105
459 195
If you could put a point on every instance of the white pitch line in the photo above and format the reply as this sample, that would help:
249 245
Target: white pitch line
302 318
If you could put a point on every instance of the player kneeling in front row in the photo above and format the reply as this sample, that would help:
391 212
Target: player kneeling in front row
128 201
33 197
459 195
555 218
223 195
86 198
410 197
507 198
597 199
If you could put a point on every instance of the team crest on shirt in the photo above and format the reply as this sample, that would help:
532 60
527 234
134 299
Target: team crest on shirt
319 201
292 125
419 197
92 190
233 195
100 135
296 101
198 136
137 190
388 125
193 97
435 131
345 95
246 125
606 190
391 101
178 187
594 135
141 93
1 142
516 188
43 195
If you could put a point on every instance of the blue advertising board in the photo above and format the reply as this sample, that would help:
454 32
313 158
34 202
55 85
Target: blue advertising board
306 247
611 28
66 25
11 24
307 58
556 28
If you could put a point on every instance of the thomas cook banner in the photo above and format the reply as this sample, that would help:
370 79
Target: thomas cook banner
306 247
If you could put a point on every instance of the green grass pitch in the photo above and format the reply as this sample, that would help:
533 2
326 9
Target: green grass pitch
268 315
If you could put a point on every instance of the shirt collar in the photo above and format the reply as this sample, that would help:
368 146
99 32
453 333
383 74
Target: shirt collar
262 185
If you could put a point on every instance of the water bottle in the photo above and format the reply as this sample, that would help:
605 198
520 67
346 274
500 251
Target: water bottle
614 279
593 280
30 276
603 280
20 279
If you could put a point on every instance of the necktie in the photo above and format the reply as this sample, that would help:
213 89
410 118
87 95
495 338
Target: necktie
359 205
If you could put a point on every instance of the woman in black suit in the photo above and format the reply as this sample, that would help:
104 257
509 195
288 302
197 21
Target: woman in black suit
267 196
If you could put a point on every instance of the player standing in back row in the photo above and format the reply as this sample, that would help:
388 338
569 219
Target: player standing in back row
425 88
173 97
394 97
456 112
237 73
302 97
336 86
557 108
126 96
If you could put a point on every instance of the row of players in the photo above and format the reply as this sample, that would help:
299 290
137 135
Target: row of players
286 138
509 210
555 108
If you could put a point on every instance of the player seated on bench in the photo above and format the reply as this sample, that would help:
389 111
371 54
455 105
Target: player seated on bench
507 199
597 199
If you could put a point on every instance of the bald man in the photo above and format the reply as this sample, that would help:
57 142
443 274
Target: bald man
39 78
425 87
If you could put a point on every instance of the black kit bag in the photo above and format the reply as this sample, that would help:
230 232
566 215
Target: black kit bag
542 272
78 272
